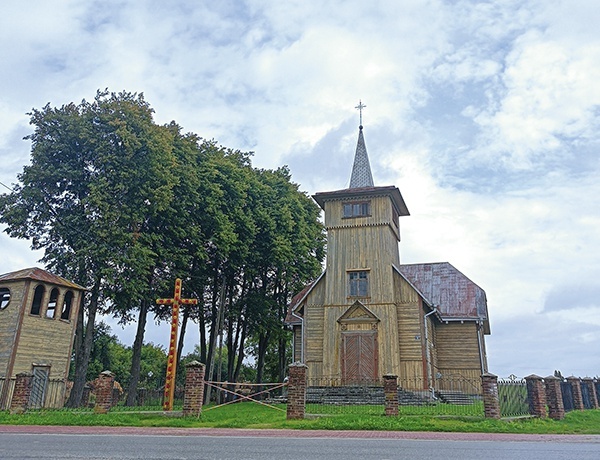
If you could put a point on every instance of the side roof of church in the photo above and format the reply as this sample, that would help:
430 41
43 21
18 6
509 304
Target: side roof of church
443 286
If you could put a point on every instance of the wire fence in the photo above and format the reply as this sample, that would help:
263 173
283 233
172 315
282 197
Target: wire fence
450 396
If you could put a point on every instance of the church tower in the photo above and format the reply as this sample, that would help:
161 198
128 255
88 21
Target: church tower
363 232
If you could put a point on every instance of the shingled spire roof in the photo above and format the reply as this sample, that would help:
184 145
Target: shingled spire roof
361 170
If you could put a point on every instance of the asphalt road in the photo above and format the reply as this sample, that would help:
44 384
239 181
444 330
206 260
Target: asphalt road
274 445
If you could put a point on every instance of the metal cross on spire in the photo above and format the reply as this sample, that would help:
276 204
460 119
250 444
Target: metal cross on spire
360 108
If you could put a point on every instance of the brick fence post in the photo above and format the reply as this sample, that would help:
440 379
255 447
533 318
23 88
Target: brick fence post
491 402
194 389
589 383
21 393
556 408
536 393
577 396
103 387
390 389
296 405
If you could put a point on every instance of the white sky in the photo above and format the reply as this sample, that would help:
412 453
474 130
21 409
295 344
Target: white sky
485 114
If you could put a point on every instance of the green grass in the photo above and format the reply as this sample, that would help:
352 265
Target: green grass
249 415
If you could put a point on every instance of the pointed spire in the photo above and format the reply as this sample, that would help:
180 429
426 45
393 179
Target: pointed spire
361 169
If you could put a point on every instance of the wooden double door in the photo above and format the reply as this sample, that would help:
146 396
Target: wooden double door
359 357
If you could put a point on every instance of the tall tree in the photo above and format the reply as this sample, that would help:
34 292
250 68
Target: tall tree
97 171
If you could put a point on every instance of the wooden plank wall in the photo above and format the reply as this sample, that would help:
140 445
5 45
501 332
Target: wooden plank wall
297 330
44 340
9 321
356 249
381 211
410 331
368 243
457 346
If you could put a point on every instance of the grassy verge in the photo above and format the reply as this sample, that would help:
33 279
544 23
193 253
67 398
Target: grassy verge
248 415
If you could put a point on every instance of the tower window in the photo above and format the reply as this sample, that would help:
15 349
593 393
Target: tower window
358 283
51 310
4 298
38 296
66 308
357 209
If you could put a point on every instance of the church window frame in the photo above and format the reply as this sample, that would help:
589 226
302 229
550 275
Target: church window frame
353 209
358 283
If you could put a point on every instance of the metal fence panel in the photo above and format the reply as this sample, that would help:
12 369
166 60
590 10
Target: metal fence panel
567 396
513 397
585 395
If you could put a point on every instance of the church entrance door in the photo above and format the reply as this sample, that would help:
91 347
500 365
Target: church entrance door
359 357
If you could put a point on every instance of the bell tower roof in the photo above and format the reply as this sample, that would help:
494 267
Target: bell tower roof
361 169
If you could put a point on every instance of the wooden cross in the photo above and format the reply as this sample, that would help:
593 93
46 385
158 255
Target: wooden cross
172 359
360 107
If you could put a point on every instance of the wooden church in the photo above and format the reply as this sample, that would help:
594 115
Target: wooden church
367 315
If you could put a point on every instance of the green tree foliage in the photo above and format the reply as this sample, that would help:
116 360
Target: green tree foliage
108 353
124 206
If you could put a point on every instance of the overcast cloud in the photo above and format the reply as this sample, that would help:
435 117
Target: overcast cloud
486 115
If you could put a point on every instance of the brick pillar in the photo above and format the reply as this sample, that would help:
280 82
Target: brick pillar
194 389
103 388
589 382
390 389
296 405
21 393
577 396
556 408
491 402
536 394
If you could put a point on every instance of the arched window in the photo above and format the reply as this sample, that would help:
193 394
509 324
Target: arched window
38 296
51 310
66 308
4 298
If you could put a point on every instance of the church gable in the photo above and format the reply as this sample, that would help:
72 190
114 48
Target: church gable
358 313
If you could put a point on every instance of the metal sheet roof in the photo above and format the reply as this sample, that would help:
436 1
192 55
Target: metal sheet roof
452 293
38 274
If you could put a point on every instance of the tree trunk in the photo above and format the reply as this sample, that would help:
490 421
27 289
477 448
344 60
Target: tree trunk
136 358
83 356
240 355
263 342
214 332
78 340
282 357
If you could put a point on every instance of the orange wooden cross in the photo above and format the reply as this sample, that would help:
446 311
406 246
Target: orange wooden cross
172 359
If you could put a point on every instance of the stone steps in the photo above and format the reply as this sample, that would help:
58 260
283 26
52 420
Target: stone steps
455 397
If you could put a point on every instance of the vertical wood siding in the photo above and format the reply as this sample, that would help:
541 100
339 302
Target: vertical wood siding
457 346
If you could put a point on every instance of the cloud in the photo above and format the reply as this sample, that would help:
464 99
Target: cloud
572 297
